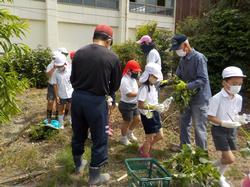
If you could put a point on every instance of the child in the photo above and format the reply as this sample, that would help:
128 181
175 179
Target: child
128 103
223 110
62 86
50 71
148 104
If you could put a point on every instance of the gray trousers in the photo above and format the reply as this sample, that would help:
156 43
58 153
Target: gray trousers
196 114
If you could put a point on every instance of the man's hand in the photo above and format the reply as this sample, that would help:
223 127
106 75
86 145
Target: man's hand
181 85
230 124
166 83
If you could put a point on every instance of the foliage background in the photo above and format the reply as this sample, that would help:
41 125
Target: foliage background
30 65
223 35
131 50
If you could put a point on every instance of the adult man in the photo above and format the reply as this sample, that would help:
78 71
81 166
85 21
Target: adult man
95 74
192 69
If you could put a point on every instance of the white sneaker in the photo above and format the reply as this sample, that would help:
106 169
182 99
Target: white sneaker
223 182
124 140
132 137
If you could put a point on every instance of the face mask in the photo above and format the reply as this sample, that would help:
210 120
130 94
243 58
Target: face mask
146 48
134 75
235 89
180 53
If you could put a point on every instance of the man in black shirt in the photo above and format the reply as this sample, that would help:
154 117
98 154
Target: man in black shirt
96 73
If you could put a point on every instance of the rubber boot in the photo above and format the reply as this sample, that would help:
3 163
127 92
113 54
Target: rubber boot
96 178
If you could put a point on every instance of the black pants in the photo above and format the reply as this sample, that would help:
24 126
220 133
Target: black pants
89 111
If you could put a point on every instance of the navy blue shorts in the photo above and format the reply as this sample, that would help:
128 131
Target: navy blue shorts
224 138
152 125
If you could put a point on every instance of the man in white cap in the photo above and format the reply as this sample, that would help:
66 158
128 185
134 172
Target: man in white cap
223 114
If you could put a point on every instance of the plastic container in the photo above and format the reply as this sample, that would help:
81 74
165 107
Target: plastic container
146 172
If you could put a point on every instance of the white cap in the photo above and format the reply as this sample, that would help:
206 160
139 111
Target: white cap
151 69
60 60
55 53
232 71
63 50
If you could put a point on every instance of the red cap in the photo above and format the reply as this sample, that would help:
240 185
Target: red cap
72 54
132 65
105 29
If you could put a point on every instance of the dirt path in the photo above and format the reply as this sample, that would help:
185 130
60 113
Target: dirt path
19 155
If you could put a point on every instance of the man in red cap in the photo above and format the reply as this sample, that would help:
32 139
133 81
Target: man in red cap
95 75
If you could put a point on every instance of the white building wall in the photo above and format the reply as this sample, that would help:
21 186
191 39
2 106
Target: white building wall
62 25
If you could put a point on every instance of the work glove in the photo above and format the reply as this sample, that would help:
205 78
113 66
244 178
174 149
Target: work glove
181 85
166 83
241 119
109 100
160 108
230 124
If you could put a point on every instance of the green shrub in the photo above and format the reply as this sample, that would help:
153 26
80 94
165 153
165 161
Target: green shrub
11 26
11 86
192 167
32 65
162 39
130 50
39 132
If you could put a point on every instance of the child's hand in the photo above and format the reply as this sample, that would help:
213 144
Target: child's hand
241 119
230 124
160 108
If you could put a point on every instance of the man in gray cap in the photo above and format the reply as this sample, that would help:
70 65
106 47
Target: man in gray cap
192 69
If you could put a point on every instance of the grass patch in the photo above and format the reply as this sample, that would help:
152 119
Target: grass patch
234 172
63 175
27 159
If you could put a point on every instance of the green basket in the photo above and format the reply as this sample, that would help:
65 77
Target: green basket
146 172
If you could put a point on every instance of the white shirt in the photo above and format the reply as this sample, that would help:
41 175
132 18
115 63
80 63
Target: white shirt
128 85
148 97
222 106
154 57
49 68
62 79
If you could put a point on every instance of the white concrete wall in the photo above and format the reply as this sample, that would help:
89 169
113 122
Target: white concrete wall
71 26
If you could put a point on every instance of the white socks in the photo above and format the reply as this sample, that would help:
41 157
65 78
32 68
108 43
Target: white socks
221 167
60 119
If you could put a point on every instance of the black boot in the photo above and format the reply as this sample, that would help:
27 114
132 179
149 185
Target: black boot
96 178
